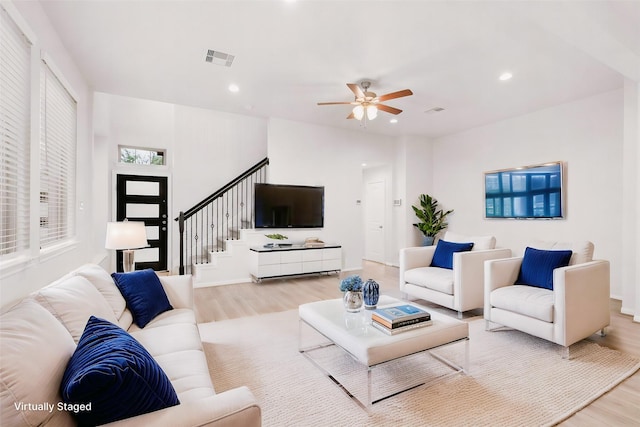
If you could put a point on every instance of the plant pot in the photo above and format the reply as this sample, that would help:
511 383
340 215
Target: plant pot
353 301
427 240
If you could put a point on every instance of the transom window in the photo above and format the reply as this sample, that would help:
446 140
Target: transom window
141 156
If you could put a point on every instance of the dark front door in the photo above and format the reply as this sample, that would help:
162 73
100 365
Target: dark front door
144 198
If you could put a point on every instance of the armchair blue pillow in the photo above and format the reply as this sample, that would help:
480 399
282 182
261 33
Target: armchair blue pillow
143 293
443 256
115 374
538 265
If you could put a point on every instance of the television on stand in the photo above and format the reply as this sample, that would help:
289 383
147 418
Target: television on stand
288 206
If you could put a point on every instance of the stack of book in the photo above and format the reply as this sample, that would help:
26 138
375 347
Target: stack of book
399 318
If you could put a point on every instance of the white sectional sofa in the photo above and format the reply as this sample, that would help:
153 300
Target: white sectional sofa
39 335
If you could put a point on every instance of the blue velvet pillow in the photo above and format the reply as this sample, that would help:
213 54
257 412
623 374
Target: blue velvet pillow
538 265
115 374
144 294
443 256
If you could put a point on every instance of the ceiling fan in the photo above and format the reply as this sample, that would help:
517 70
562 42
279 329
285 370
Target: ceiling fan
367 104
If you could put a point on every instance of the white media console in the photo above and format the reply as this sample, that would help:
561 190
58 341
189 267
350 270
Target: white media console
271 262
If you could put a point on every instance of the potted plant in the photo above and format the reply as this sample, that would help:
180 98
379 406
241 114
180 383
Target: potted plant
352 288
431 219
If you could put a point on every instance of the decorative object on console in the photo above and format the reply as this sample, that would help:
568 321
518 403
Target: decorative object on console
280 238
313 242
352 288
371 294
126 236
431 219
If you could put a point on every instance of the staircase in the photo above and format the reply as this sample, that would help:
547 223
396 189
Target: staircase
208 229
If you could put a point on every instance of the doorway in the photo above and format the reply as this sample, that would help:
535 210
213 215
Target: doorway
374 220
144 198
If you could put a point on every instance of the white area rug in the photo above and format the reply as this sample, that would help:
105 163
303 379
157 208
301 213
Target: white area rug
514 379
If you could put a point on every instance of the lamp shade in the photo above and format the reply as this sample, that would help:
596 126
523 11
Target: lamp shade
358 112
126 235
372 112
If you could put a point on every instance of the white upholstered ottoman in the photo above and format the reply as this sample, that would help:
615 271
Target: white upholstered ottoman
371 347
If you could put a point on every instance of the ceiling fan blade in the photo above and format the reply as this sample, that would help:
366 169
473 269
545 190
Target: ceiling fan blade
356 90
394 95
335 103
351 116
388 109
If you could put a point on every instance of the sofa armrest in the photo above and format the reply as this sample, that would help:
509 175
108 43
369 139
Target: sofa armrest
582 294
235 407
497 274
468 276
414 257
179 290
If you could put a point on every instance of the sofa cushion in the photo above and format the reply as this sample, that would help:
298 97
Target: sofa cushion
144 294
72 300
189 374
105 285
582 250
114 372
438 279
538 265
480 243
34 353
527 300
443 255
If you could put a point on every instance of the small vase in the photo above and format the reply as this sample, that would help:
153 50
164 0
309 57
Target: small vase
352 301
371 294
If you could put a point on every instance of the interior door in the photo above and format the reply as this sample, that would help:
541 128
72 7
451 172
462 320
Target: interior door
144 198
374 217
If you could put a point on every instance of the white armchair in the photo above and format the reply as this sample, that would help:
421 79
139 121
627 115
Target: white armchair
576 307
462 287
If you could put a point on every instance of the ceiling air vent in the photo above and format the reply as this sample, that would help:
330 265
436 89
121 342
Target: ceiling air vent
219 58
434 110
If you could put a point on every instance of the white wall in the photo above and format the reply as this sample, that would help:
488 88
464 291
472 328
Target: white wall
205 149
43 269
414 157
307 154
586 134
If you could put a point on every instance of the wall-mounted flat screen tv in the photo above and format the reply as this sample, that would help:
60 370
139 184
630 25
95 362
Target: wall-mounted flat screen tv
288 206
526 192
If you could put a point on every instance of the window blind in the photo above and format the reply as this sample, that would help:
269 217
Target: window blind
58 112
15 75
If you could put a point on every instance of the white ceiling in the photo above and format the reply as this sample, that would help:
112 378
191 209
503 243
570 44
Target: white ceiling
291 55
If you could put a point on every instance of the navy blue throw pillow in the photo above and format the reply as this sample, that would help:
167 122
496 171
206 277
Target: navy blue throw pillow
443 256
144 294
113 376
538 265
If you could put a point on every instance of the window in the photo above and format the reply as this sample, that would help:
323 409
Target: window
58 112
15 105
141 156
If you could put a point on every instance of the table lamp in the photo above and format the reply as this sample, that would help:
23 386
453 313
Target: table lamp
126 236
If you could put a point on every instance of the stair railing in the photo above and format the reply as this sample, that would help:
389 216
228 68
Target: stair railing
219 217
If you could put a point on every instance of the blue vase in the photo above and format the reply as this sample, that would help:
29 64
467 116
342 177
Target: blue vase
371 294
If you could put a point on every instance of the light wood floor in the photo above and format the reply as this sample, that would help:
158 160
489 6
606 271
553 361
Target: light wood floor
619 407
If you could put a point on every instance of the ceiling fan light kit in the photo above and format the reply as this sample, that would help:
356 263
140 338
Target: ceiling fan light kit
368 103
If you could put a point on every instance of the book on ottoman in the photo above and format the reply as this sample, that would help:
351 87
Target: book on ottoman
400 315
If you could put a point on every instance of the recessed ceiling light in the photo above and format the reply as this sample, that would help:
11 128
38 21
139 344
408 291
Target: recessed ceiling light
233 88
393 121
505 76
364 165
